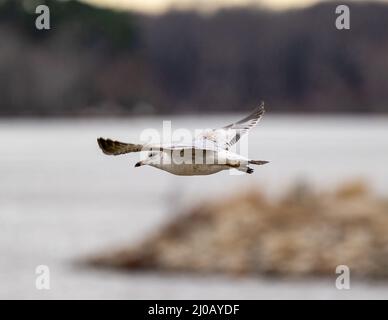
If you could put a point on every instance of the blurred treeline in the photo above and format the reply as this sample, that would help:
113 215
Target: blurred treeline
99 61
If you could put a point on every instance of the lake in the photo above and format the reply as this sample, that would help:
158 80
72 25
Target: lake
61 199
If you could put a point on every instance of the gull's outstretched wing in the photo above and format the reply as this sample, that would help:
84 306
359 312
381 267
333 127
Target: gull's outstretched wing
115 148
227 136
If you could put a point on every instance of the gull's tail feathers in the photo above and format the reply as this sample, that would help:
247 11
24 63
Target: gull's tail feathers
258 162
114 148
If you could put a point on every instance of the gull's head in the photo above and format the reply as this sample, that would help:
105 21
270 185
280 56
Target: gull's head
153 159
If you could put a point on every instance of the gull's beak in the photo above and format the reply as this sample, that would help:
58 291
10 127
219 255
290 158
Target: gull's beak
138 164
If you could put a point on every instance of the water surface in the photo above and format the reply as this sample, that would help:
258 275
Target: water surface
61 199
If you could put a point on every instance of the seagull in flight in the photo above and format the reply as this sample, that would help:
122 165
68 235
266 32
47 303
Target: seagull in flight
207 154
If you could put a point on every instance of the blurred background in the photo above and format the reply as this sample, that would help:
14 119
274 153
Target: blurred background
114 68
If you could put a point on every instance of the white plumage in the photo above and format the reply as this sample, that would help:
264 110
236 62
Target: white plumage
207 154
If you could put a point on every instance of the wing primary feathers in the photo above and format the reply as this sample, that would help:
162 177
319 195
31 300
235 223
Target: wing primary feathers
227 136
254 117
111 147
258 162
244 125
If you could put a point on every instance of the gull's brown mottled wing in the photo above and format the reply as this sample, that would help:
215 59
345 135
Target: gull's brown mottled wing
115 148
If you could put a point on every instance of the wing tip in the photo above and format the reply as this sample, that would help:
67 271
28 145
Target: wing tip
105 145
100 140
261 108
258 162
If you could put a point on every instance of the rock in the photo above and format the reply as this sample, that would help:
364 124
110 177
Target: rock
302 233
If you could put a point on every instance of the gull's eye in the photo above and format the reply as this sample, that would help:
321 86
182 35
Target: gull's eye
151 154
